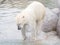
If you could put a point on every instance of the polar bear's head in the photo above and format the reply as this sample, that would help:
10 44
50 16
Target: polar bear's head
21 21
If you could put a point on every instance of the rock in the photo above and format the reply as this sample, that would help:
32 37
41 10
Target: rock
58 26
50 21
55 10
58 3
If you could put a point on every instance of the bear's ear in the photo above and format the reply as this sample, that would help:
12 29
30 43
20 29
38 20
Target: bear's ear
23 17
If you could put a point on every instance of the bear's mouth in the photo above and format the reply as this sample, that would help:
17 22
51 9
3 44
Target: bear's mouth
20 28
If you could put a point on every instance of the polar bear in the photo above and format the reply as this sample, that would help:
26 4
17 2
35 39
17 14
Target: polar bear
30 17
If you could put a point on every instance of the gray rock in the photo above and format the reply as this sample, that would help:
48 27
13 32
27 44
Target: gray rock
50 21
58 26
55 10
58 3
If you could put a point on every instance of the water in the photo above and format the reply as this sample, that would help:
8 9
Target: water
9 35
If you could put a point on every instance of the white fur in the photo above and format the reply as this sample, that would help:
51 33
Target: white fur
34 11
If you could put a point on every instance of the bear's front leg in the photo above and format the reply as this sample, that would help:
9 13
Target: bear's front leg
24 33
34 30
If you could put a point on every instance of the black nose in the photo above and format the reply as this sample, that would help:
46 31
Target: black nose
19 28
